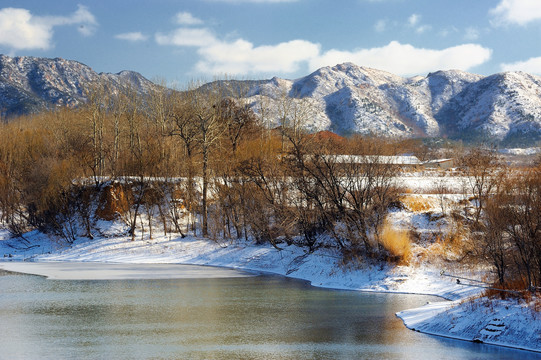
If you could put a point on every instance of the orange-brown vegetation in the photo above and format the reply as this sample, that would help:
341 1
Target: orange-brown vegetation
396 242
112 202
418 203
452 245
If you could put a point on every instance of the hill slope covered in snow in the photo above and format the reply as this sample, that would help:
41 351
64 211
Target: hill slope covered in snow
346 99
30 84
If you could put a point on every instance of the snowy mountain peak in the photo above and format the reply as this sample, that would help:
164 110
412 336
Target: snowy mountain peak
30 84
345 98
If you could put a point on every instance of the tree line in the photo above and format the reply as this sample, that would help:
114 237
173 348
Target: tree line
504 223
206 161
200 160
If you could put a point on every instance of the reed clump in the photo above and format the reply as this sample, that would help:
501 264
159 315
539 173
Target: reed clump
396 242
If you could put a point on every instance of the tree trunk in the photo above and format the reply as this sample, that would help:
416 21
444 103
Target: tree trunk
205 191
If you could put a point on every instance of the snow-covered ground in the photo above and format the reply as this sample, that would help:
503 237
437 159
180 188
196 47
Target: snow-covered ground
498 322
322 268
519 151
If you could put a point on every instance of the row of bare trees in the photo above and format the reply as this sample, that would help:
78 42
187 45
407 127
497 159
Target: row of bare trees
203 161
197 160
511 229
506 220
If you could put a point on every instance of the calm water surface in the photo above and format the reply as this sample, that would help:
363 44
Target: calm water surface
261 317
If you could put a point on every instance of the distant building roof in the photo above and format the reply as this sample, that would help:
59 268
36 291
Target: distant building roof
437 161
382 159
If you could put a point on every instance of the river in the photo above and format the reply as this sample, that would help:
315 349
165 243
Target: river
208 316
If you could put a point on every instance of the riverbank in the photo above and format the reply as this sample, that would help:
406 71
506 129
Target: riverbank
322 268
461 319
510 323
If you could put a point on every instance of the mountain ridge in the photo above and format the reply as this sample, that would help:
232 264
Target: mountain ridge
32 84
345 98
503 107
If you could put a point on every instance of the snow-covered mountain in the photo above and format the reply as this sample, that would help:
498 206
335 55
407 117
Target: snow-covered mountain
30 84
345 99
505 106
348 99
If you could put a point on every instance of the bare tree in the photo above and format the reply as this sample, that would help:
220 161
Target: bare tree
183 125
524 225
205 107
96 109
481 169
495 245
512 228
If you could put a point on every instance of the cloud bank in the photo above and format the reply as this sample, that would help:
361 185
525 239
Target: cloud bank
405 59
240 56
21 30
518 12
532 66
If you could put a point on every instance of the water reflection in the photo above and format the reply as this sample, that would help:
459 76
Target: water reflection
261 317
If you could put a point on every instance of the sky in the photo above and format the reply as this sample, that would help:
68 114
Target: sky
178 41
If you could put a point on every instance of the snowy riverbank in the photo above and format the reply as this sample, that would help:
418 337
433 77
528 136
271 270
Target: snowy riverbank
321 268
505 323
496 322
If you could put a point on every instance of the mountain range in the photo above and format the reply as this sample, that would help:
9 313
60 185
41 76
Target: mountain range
346 99
30 84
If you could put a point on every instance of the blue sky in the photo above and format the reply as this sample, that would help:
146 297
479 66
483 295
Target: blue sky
182 40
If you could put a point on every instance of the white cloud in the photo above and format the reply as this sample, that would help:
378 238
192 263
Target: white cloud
380 25
414 19
448 31
532 65
19 29
519 12
132 36
471 33
187 37
423 28
404 59
186 18
82 17
239 56
242 57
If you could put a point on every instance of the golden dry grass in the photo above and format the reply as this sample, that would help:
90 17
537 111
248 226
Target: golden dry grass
418 204
396 242
453 244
